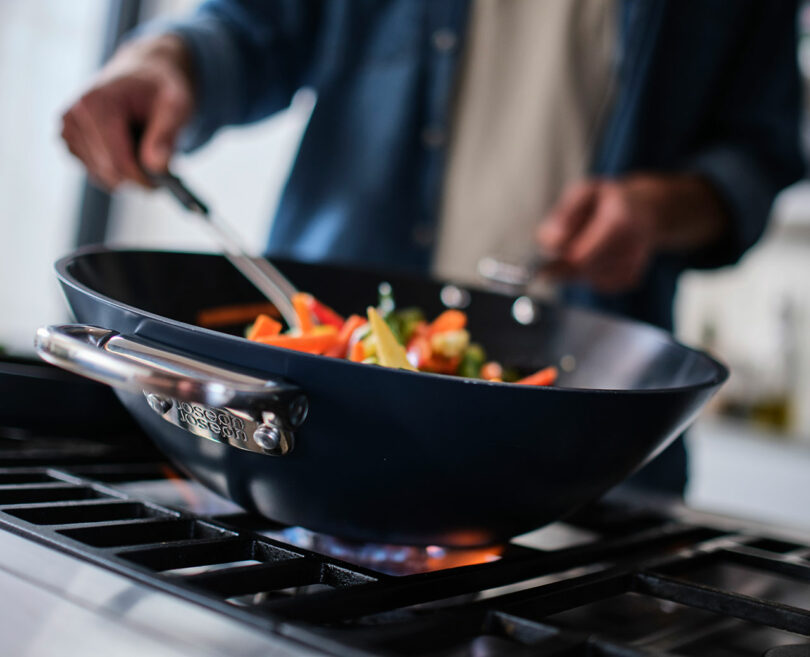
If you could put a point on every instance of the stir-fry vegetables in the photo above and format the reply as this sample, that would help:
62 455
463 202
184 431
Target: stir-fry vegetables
391 337
389 352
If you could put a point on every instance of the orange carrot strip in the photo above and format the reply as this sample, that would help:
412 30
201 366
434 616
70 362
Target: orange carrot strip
234 314
312 344
339 349
264 327
302 303
545 377
449 320
358 352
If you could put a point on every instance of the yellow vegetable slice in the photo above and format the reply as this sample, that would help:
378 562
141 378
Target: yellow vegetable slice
389 352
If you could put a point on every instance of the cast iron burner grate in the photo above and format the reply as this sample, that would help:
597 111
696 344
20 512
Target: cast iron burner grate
649 583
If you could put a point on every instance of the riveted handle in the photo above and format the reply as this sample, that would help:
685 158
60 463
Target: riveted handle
209 400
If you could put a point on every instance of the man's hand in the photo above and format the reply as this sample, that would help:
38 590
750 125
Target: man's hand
605 232
146 87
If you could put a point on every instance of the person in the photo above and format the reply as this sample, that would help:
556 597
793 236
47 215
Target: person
631 139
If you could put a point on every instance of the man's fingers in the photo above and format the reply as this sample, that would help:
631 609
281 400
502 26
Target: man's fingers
169 113
113 131
118 134
602 239
74 139
87 113
568 216
612 251
77 137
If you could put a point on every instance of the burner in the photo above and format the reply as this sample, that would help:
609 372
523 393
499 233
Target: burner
388 559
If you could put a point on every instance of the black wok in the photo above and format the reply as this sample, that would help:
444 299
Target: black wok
382 455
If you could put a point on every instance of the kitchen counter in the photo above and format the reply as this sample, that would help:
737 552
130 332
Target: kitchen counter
750 473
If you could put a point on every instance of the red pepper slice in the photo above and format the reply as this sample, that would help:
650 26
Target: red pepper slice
324 314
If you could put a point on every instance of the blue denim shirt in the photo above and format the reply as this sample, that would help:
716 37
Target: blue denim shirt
708 86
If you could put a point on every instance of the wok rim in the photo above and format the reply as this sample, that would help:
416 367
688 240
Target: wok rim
719 376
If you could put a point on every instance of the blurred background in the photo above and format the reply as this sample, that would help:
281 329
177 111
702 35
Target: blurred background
750 451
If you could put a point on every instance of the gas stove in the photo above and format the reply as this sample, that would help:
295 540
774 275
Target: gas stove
108 550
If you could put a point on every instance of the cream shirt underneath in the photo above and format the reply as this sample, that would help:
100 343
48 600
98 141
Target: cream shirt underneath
534 85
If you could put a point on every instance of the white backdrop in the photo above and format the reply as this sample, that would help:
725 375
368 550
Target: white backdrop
48 51
47 48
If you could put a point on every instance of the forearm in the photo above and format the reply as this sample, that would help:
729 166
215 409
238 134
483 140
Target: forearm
165 49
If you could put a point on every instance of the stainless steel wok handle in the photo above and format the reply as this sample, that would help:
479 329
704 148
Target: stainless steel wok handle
208 400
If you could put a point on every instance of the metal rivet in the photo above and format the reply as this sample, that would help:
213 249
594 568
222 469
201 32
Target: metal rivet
267 437
159 404
299 407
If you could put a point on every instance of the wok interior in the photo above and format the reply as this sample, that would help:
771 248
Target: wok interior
606 352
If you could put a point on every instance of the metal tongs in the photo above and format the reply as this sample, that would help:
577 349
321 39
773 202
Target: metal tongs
514 276
259 271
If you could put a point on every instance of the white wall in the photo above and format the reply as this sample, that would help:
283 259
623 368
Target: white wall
47 48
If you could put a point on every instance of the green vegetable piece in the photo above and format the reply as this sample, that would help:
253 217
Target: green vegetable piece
409 319
395 325
471 361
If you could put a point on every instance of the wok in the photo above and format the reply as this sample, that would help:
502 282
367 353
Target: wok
370 453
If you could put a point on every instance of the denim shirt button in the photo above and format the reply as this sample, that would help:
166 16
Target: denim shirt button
423 235
444 40
434 137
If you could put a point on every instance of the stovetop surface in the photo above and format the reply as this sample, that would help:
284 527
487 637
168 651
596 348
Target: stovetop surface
105 545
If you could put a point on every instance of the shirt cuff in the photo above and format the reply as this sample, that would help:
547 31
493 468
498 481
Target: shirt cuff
215 64
746 195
